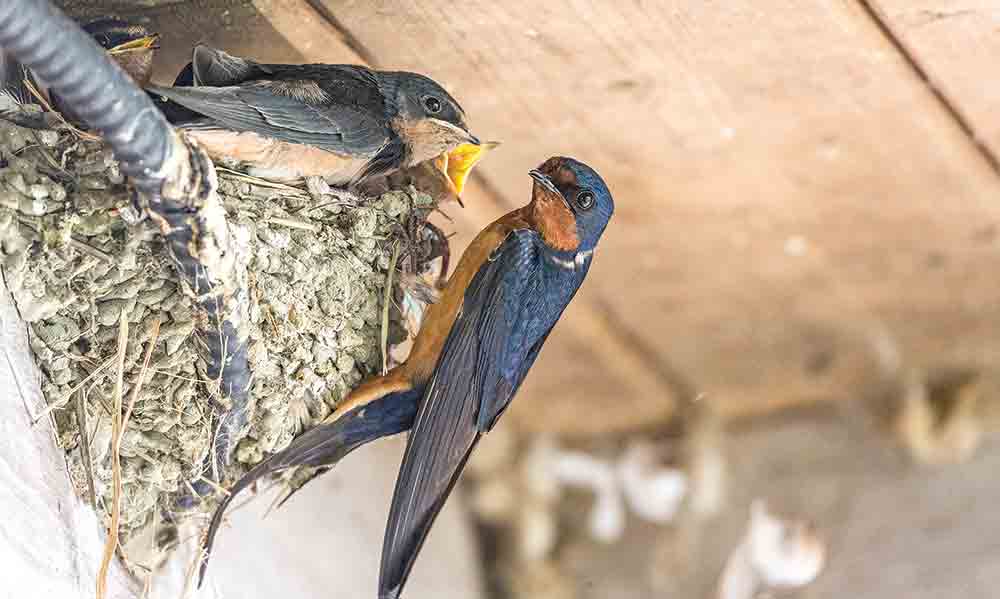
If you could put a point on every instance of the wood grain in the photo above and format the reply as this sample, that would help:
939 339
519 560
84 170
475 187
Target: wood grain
956 44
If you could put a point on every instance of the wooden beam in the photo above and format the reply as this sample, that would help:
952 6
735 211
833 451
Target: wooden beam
788 188
953 45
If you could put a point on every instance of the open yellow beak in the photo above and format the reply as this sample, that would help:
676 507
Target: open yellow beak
142 43
458 163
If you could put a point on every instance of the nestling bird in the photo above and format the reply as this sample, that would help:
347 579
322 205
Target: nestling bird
132 47
474 348
345 123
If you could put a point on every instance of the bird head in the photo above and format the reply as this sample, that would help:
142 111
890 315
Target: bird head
429 120
131 46
570 204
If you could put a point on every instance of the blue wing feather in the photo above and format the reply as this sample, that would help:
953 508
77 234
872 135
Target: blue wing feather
507 312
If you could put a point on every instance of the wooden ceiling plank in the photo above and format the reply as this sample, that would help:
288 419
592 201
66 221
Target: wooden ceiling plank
785 183
955 44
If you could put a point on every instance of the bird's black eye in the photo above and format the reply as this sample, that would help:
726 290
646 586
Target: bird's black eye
585 200
432 104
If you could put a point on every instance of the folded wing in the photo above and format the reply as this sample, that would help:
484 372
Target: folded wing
254 107
502 323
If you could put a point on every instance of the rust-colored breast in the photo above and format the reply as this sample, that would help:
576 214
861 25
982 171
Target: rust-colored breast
554 221
550 215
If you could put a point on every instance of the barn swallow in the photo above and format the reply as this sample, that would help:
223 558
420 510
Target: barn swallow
474 348
345 123
521 286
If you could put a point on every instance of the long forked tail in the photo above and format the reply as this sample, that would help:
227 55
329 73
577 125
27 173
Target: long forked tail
323 446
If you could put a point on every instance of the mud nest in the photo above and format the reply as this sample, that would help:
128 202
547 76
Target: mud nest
79 257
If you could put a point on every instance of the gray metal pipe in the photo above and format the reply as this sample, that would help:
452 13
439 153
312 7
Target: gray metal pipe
67 60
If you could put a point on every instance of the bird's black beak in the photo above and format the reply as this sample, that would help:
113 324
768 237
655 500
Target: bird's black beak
546 182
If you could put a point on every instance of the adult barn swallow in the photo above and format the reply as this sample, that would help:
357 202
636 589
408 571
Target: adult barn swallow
341 122
535 264
474 348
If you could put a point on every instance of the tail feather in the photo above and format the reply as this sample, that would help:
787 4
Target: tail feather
323 447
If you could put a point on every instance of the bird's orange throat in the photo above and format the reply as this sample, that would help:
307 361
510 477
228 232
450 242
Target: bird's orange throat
553 220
